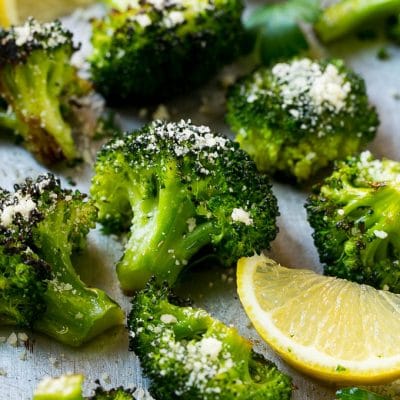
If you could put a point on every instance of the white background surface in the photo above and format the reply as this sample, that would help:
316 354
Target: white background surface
107 358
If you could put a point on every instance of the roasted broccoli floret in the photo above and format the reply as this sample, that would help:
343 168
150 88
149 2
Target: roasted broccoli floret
355 216
41 225
296 117
180 188
358 394
148 51
346 16
39 84
190 355
69 387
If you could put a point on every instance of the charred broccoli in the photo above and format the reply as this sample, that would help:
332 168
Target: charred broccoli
297 117
150 50
354 214
346 16
69 387
190 355
39 84
180 188
41 225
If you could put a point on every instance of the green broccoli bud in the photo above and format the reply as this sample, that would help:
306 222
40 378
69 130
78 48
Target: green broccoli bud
346 16
358 394
43 221
180 188
38 83
189 355
69 387
354 214
297 117
65 387
149 51
278 35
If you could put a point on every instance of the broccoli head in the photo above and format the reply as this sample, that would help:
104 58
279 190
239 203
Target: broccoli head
150 50
190 355
41 225
297 117
180 188
354 214
39 84
69 387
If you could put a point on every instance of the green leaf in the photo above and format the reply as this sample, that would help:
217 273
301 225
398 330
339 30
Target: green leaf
276 28
358 394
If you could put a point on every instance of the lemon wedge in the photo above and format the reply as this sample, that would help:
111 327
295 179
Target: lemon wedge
8 13
329 328
16 11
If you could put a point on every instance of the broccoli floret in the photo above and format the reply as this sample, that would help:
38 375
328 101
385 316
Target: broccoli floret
354 214
358 394
69 387
346 16
65 387
39 83
277 31
41 225
190 355
296 117
180 188
154 50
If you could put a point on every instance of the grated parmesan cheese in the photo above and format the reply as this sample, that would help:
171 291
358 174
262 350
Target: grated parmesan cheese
240 215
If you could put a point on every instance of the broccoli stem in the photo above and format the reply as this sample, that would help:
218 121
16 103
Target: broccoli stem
8 121
381 218
347 15
75 313
160 242
34 89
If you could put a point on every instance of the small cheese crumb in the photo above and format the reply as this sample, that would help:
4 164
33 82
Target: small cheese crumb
191 222
168 319
340 211
240 215
380 234
143 20
23 337
12 340
106 378
210 347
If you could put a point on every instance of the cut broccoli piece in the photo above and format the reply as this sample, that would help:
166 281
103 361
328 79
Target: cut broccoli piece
346 16
180 188
69 387
154 50
41 225
354 214
38 82
65 387
358 394
190 355
278 35
296 117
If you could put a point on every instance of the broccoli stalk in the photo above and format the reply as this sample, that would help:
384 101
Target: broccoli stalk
38 82
348 15
190 355
48 224
180 188
69 387
53 240
354 214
